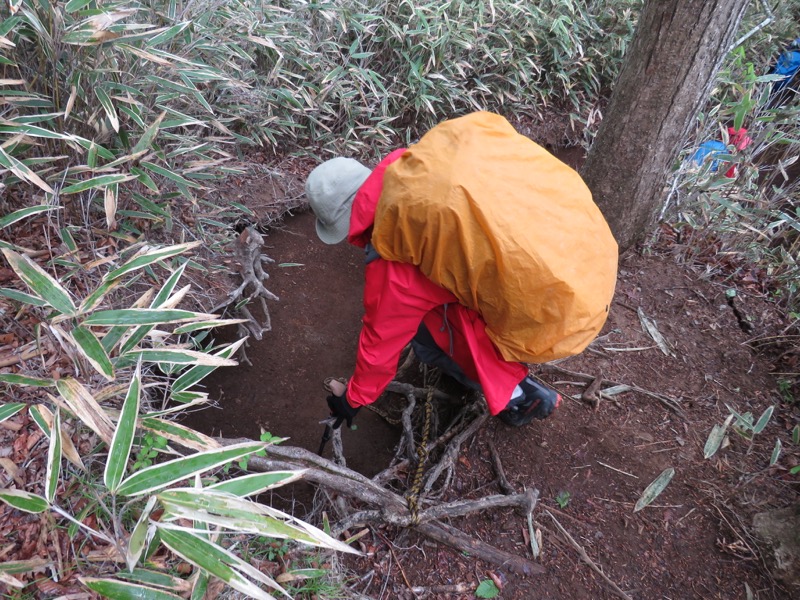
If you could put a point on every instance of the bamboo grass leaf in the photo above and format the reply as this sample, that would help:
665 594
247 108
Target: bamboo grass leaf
53 459
23 213
123 590
168 473
179 356
96 182
120 449
180 434
40 282
22 297
138 539
218 562
236 514
85 407
149 135
108 107
715 438
42 416
256 483
150 256
169 175
652 491
24 501
23 172
763 420
91 348
196 374
143 316
9 409
15 379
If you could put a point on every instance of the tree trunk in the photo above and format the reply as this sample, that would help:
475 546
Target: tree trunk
676 52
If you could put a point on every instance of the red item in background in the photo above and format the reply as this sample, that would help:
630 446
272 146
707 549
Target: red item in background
740 140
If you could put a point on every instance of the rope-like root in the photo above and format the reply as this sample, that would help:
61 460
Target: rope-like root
250 259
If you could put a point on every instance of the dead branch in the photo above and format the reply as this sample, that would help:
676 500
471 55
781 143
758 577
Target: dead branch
502 480
590 395
249 256
448 460
391 508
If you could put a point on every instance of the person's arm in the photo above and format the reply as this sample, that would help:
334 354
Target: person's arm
396 298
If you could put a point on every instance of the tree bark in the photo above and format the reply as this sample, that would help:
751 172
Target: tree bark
676 52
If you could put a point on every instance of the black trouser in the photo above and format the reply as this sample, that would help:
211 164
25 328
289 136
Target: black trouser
429 352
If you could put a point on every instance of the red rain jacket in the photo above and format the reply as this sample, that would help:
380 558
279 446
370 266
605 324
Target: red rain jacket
397 297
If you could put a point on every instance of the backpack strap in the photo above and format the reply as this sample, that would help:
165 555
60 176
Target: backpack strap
370 253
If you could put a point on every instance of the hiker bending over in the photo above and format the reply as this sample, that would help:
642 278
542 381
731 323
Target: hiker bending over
402 304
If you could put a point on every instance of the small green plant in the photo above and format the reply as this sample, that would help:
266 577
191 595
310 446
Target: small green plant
149 446
785 390
265 436
487 589
563 498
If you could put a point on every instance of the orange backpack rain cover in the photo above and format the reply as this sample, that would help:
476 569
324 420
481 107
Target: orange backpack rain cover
508 228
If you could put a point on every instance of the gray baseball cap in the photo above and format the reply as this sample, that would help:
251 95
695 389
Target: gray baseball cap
330 189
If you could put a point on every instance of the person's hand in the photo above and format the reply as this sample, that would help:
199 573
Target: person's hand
341 409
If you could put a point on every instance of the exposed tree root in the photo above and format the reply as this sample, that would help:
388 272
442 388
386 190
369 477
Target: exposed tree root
249 256
390 508
670 403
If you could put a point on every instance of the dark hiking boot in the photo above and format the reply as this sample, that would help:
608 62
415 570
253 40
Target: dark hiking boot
537 401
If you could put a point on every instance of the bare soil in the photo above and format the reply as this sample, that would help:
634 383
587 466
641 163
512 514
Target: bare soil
590 464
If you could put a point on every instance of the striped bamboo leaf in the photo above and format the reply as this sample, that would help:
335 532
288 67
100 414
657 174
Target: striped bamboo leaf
53 459
96 182
171 472
256 483
23 172
143 316
24 501
124 590
148 257
40 282
138 539
80 402
9 409
180 434
120 449
23 213
218 562
91 348
25 380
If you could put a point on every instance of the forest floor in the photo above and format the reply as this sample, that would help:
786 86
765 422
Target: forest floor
674 331
590 463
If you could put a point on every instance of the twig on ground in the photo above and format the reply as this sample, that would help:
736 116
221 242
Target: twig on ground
502 480
666 401
580 549
399 565
456 588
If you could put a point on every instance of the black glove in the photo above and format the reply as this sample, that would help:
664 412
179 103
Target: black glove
536 402
342 410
